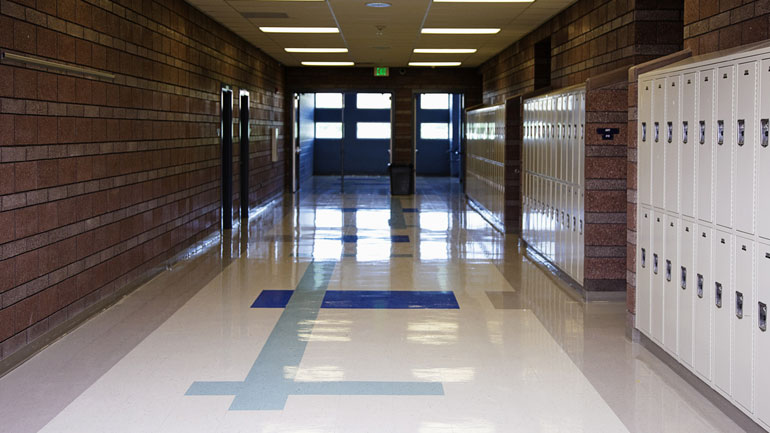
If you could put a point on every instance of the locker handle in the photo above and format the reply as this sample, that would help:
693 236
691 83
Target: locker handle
720 132
684 278
718 295
762 317
644 258
657 131
739 305
668 270
765 131
644 131
700 286
684 132
741 132
670 132
655 264
702 132
574 223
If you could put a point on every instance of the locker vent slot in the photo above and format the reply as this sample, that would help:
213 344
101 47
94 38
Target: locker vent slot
668 270
700 286
655 264
765 131
684 278
739 305
718 295
741 131
657 131
684 132
670 132
644 131
720 132
644 258
702 132
762 317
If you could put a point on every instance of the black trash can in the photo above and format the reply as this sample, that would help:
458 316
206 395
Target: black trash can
400 179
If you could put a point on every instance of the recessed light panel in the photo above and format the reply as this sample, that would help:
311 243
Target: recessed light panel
435 63
483 1
300 29
444 50
316 50
445 31
379 5
328 63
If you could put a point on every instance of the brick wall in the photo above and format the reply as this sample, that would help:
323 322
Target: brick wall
404 87
713 25
102 179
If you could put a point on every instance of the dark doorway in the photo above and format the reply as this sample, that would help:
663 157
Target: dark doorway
227 158
245 152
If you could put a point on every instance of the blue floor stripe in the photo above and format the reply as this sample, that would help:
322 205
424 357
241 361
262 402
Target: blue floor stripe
273 299
375 299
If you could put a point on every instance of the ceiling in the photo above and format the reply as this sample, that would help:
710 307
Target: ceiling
380 36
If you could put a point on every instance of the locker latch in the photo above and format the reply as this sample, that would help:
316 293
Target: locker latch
720 132
739 305
574 223
644 258
702 131
684 278
718 295
762 317
655 264
657 131
670 132
644 131
765 131
700 286
684 132
741 131
668 270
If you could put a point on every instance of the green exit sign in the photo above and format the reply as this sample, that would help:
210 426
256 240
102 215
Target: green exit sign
381 71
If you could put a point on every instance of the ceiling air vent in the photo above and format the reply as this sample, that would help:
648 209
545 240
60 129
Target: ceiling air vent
265 15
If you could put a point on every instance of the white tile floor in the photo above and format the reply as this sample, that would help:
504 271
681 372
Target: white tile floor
545 363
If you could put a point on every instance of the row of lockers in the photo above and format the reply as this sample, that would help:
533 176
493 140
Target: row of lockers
703 255
703 144
553 180
485 162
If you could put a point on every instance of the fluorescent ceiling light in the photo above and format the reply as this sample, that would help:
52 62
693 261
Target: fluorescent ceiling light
316 50
328 63
379 5
444 50
300 29
442 31
435 63
483 1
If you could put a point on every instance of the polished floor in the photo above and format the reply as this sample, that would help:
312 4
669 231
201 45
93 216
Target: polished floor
354 312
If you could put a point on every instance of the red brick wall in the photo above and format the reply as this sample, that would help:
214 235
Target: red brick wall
102 179
404 87
713 25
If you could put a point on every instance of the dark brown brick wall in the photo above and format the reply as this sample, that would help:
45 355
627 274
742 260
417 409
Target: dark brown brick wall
713 25
404 87
102 179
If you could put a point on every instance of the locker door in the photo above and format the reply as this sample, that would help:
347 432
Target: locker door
671 143
658 272
685 276
570 134
725 143
762 337
705 136
763 166
644 142
582 144
745 151
722 310
687 161
643 270
742 316
570 234
657 148
703 289
559 244
670 284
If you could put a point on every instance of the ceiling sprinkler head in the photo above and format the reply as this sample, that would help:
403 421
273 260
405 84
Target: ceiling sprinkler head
380 28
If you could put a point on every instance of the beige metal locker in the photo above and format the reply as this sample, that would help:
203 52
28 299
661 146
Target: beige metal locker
687 143
658 150
671 143
742 315
745 150
725 141
703 300
643 270
686 292
644 143
722 310
706 144
670 283
763 163
762 337
658 273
